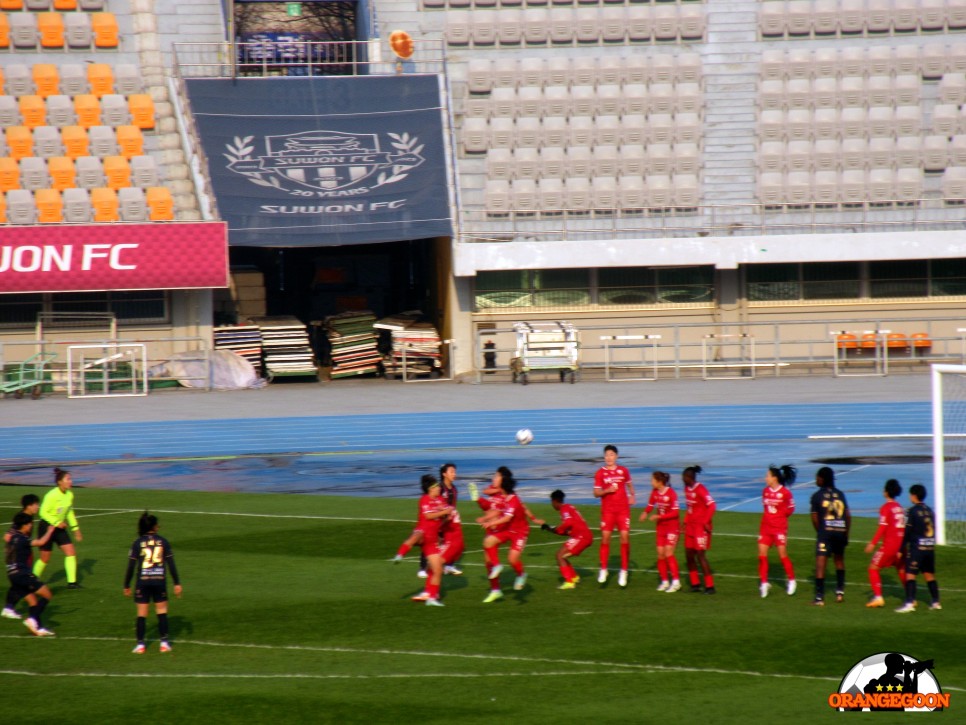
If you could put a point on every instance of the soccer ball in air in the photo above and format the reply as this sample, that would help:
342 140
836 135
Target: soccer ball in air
524 436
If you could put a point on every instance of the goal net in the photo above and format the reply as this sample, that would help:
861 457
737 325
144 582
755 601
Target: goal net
949 452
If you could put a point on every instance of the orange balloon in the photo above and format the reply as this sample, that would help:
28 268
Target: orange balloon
401 43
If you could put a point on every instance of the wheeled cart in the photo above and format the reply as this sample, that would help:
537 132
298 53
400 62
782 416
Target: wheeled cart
545 347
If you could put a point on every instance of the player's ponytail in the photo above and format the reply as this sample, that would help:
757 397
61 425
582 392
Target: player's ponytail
147 523
784 474
690 474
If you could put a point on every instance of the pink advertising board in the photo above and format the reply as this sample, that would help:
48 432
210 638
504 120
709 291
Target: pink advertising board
101 257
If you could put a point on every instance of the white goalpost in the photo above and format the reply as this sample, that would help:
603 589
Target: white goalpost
949 452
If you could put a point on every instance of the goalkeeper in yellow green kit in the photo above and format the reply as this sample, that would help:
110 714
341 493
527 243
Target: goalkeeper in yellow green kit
57 510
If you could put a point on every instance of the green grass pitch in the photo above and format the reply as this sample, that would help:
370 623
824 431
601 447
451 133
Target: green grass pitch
293 612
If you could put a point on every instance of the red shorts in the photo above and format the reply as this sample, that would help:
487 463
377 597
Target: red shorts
433 548
517 540
575 546
615 520
699 540
773 538
453 545
884 558
668 538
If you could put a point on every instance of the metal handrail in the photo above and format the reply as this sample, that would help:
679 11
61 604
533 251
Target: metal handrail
729 220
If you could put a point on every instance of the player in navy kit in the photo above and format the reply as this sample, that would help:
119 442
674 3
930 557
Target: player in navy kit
832 521
920 543
24 584
151 555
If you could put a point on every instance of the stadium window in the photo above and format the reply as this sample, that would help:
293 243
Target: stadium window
20 310
685 284
626 286
947 277
831 281
561 287
137 307
142 307
605 287
899 278
773 282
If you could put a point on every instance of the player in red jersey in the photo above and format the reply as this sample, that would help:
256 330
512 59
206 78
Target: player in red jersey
891 531
779 505
573 526
697 529
433 511
664 504
614 488
453 528
504 522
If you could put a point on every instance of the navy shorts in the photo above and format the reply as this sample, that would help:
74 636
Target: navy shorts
59 537
23 584
151 592
831 543
920 562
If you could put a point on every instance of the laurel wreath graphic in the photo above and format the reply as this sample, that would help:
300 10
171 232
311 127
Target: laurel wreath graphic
242 151
404 144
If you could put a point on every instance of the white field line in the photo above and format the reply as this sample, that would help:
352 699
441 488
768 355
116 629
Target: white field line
601 668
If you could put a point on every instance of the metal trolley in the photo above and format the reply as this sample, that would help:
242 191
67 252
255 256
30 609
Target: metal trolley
545 346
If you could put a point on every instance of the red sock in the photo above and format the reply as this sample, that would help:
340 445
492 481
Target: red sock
625 554
672 562
517 567
693 576
789 569
662 569
604 555
433 591
403 550
875 579
708 581
492 555
567 571
763 569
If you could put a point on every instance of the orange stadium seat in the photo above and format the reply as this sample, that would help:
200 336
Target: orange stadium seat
33 111
46 79
921 344
65 4
11 4
75 141
160 204
104 201
100 76
20 142
142 110
2 92
896 343
868 342
9 174
846 341
3 208
88 110
130 141
63 175
50 206
4 31
50 27
104 26
117 171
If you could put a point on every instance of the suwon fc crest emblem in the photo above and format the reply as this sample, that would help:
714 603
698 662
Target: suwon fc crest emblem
325 163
